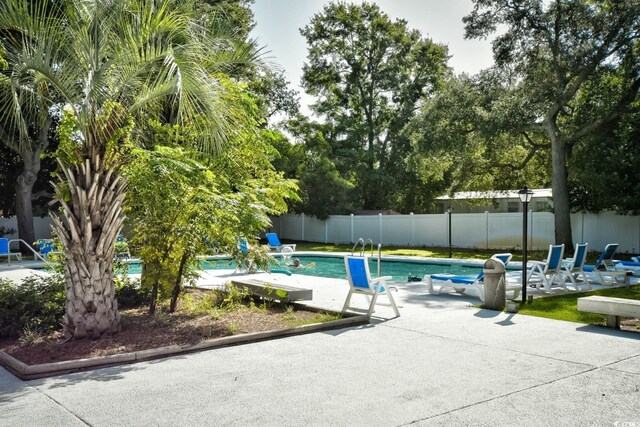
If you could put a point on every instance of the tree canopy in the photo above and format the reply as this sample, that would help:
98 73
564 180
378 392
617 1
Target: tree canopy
554 54
369 74
117 66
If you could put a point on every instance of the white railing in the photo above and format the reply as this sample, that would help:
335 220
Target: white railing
469 230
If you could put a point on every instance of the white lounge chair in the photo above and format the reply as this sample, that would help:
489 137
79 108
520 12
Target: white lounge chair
361 282
604 269
624 266
275 244
468 284
544 275
572 268
6 251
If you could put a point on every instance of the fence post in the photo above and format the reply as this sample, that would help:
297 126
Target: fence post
302 216
531 230
326 230
380 225
351 228
413 235
486 229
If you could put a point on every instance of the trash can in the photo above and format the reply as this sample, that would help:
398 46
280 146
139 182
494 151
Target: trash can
494 284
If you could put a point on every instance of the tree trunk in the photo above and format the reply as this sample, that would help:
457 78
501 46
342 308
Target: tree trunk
91 196
560 188
177 287
24 195
30 155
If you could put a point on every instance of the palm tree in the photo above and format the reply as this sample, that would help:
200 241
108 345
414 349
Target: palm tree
115 64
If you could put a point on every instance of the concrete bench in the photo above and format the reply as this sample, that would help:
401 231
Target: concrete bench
280 292
614 308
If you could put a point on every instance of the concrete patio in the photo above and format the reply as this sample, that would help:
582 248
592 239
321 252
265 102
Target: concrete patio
443 362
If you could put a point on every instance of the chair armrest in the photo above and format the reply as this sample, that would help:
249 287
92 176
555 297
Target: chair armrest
381 278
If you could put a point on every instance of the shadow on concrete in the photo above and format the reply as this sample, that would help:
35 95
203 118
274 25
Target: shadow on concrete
602 330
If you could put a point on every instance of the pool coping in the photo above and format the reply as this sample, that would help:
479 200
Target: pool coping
30 372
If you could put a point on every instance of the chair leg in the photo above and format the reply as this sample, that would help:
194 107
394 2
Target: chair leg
373 302
392 302
585 280
347 301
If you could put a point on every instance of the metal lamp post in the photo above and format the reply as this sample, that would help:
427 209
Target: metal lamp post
449 211
525 197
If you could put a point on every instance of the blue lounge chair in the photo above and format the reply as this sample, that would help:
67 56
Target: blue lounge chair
624 266
467 284
360 282
46 248
604 269
544 275
275 244
5 251
573 268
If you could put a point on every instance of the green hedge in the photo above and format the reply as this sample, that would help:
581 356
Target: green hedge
37 304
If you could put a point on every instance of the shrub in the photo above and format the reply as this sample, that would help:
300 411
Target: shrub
38 303
130 294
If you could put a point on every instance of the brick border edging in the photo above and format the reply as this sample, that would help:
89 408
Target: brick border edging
30 372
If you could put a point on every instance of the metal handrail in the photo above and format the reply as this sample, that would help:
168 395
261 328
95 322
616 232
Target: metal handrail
360 239
370 242
379 258
35 254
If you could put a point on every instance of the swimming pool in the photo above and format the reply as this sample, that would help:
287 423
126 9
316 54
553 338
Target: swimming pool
333 267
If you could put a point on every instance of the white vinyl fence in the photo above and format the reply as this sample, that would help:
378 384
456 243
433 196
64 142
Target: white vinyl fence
42 227
470 230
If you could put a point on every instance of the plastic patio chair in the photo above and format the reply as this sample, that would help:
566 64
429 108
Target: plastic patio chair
604 269
543 275
467 284
573 268
5 251
361 282
275 244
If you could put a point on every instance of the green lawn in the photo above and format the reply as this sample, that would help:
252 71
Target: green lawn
458 253
565 307
560 307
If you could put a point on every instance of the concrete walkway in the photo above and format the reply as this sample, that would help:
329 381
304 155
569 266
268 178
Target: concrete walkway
443 362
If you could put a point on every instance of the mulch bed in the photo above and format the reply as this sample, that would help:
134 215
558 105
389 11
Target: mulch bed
141 331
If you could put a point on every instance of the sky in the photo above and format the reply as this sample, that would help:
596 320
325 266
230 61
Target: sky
278 23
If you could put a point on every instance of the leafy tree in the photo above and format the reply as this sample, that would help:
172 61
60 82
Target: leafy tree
323 190
553 52
604 169
369 75
273 94
201 200
114 63
26 114
464 139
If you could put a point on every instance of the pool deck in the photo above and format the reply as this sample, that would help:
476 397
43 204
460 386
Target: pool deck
443 362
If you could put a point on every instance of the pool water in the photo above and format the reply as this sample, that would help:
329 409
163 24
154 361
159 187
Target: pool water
333 267
400 270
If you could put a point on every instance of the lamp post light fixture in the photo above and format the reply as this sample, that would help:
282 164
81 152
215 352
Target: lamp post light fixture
449 211
525 197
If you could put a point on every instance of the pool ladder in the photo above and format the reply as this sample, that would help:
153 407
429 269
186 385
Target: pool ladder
364 243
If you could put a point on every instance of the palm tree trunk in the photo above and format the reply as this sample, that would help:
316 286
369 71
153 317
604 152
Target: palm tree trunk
91 196
24 206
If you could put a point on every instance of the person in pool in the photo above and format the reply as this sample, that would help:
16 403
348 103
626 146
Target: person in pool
297 264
